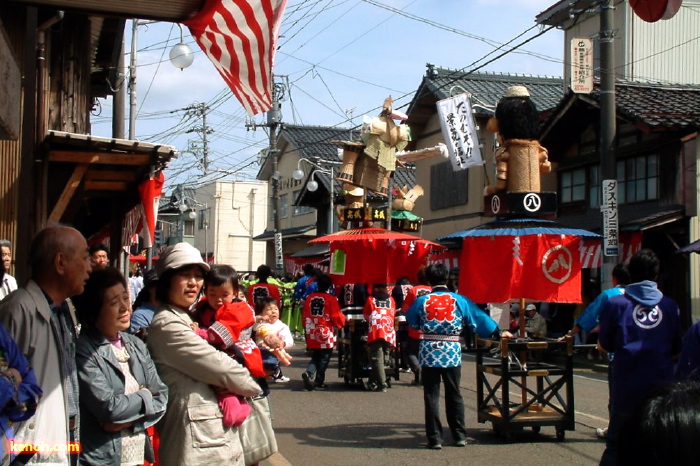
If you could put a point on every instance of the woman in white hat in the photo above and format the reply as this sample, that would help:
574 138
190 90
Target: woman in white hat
192 431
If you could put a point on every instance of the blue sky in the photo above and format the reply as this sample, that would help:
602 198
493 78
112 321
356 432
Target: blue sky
340 58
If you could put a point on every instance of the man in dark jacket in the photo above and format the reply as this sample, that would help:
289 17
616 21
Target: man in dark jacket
642 327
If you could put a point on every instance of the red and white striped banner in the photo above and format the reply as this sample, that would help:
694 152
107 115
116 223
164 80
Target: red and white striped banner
449 258
240 38
592 256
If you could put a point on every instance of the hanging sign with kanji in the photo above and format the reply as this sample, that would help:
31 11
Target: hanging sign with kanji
459 131
581 65
610 218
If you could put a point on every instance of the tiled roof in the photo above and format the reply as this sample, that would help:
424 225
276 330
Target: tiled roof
318 143
657 105
488 88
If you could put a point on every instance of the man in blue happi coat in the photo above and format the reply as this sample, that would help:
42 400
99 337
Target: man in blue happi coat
441 316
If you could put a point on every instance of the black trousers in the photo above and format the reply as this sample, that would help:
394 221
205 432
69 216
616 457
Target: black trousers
454 404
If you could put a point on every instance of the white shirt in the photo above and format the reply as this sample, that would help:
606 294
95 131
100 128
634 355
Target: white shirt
9 284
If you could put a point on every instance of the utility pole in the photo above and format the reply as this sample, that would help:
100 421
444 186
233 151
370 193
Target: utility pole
132 79
273 120
200 110
608 165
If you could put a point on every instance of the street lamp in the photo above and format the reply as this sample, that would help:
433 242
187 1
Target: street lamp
181 55
312 185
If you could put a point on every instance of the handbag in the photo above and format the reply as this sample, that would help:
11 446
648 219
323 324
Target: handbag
256 433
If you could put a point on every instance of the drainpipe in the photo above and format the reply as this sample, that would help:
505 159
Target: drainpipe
41 69
251 228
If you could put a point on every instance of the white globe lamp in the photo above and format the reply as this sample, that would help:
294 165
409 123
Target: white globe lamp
298 174
181 56
312 185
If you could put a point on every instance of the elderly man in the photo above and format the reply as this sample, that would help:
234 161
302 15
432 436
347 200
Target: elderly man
38 319
9 284
99 256
536 325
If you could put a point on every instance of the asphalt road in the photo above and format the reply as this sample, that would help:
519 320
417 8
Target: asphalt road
348 426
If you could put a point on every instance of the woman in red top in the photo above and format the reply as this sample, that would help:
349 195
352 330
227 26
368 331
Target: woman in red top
321 316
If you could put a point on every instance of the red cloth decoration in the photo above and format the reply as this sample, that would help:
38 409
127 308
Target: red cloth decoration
496 269
378 261
149 192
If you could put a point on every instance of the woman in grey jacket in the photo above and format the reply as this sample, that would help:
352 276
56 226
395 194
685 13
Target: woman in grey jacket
121 394
192 432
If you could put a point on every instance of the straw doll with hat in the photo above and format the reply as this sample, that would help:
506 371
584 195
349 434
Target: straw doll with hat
521 159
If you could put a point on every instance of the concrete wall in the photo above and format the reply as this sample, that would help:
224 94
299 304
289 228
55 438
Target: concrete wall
237 212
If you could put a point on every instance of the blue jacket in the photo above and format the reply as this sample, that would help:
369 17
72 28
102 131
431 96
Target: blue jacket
689 364
591 315
17 405
102 397
445 313
642 327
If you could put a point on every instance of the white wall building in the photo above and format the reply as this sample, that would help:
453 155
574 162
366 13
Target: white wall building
228 215
662 52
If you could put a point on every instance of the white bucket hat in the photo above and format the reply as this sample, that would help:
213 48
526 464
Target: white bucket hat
179 255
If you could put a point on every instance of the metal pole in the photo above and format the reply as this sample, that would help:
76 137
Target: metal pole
205 141
608 166
331 213
132 79
273 117
206 230
119 96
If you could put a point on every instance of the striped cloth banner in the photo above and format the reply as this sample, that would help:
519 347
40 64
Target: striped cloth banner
240 38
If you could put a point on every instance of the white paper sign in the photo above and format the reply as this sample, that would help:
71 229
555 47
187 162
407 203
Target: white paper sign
459 131
582 66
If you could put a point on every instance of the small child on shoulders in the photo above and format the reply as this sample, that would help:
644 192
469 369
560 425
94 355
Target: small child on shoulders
273 337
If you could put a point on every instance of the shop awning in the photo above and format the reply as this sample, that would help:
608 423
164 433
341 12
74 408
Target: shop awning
287 233
95 180
313 250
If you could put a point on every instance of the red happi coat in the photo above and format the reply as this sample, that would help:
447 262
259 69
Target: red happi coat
380 315
413 293
259 291
321 315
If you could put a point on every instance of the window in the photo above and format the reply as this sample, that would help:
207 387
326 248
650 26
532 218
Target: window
594 187
572 187
638 179
189 228
284 203
448 187
203 219
300 209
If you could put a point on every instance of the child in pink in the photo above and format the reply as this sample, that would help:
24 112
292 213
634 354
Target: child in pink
229 324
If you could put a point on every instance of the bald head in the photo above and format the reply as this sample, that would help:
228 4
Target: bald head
60 261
